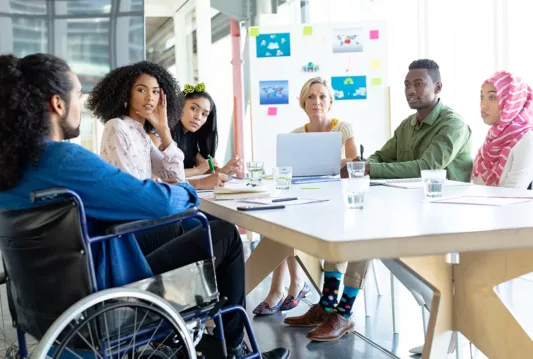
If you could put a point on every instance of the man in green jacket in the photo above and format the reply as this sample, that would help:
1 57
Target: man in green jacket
435 137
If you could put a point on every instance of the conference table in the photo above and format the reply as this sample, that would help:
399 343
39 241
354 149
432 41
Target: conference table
495 245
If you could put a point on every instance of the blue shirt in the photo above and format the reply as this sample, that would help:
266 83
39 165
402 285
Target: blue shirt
108 194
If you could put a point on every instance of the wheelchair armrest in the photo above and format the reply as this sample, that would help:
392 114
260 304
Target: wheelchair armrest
134 226
50 193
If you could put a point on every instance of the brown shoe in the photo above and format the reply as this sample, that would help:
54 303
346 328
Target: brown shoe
316 315
332 329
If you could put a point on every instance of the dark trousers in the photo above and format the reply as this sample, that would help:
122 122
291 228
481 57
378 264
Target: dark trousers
167 248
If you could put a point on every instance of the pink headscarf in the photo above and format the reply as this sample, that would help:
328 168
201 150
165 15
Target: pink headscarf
516 113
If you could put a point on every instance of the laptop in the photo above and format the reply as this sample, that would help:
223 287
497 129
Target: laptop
310 154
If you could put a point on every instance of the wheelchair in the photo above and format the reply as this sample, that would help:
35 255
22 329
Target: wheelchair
53 295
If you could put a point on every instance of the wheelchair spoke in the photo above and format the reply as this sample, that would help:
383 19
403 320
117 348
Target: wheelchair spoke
108 343
135 329
144 329
152 337
70 350
90 346
91 335
134 333
160 344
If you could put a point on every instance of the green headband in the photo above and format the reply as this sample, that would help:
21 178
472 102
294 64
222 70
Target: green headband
190 89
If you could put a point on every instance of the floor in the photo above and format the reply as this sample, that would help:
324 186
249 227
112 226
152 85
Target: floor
376 326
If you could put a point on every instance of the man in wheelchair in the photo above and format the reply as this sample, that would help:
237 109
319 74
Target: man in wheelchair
40 107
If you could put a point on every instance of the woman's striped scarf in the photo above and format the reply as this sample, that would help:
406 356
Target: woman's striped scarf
516 112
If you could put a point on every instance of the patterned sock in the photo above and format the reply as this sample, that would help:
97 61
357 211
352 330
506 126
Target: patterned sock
345 306
330 292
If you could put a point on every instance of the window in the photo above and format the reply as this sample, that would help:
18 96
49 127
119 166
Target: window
93 36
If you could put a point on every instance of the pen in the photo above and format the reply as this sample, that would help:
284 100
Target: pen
362 150
211 166
309 187
285 199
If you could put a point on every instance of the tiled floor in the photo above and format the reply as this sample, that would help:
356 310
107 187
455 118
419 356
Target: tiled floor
377 326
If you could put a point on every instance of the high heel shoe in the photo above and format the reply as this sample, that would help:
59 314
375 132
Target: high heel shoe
264 309
291 302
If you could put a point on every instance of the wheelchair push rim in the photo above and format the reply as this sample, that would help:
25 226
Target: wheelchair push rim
92 312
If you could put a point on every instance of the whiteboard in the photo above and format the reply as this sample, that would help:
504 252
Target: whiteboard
353 55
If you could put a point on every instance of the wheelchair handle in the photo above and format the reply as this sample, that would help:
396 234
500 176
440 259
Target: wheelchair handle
217 307
50 193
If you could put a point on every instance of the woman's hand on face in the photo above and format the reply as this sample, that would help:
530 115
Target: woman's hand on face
233 166
158 118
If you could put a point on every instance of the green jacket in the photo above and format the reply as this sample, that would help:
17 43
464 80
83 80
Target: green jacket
442 141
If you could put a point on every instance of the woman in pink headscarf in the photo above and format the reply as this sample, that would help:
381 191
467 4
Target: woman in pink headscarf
506 157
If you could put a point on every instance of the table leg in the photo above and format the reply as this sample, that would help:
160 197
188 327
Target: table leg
479 313
437 273
266 257
312 268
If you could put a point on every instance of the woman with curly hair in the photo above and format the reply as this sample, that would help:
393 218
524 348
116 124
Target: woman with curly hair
196 133
134 101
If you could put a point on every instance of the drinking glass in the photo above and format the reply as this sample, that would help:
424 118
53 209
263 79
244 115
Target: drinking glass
354 191
283 177
433 182
255 172
356 169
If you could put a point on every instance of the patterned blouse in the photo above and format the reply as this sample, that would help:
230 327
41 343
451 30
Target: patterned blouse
126 145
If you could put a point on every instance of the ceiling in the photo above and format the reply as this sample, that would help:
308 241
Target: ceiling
153 24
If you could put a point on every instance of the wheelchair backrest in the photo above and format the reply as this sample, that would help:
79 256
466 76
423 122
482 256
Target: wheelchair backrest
45 261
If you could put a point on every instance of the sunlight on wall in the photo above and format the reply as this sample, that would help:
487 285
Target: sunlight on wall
466 53
221 89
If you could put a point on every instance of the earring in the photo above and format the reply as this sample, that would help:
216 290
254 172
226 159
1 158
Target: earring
125 105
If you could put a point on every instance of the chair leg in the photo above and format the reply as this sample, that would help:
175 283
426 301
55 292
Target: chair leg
424 320
458 346
375 273
23 349
394 300
365 297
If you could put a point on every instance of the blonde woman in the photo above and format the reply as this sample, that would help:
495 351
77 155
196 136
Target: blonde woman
316 99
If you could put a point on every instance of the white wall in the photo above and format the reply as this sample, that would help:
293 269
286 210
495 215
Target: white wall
220 87
469 40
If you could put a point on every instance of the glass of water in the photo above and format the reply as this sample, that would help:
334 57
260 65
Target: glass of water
283 177
433 182
356 169
354 189
255 172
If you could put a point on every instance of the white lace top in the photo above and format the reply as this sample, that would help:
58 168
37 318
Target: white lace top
126 145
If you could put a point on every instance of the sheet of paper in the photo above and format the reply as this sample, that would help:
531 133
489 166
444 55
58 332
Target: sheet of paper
239 186
299 201
482 201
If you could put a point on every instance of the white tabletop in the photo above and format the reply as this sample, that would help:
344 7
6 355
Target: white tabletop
395 222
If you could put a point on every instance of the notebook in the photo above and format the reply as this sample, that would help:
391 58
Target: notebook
413 183
240 190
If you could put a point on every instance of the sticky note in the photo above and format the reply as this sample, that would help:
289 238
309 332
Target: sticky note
376 81
254 31
272 111
308 30
374 34
376 64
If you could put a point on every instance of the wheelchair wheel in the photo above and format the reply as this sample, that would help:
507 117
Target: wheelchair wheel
118 323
